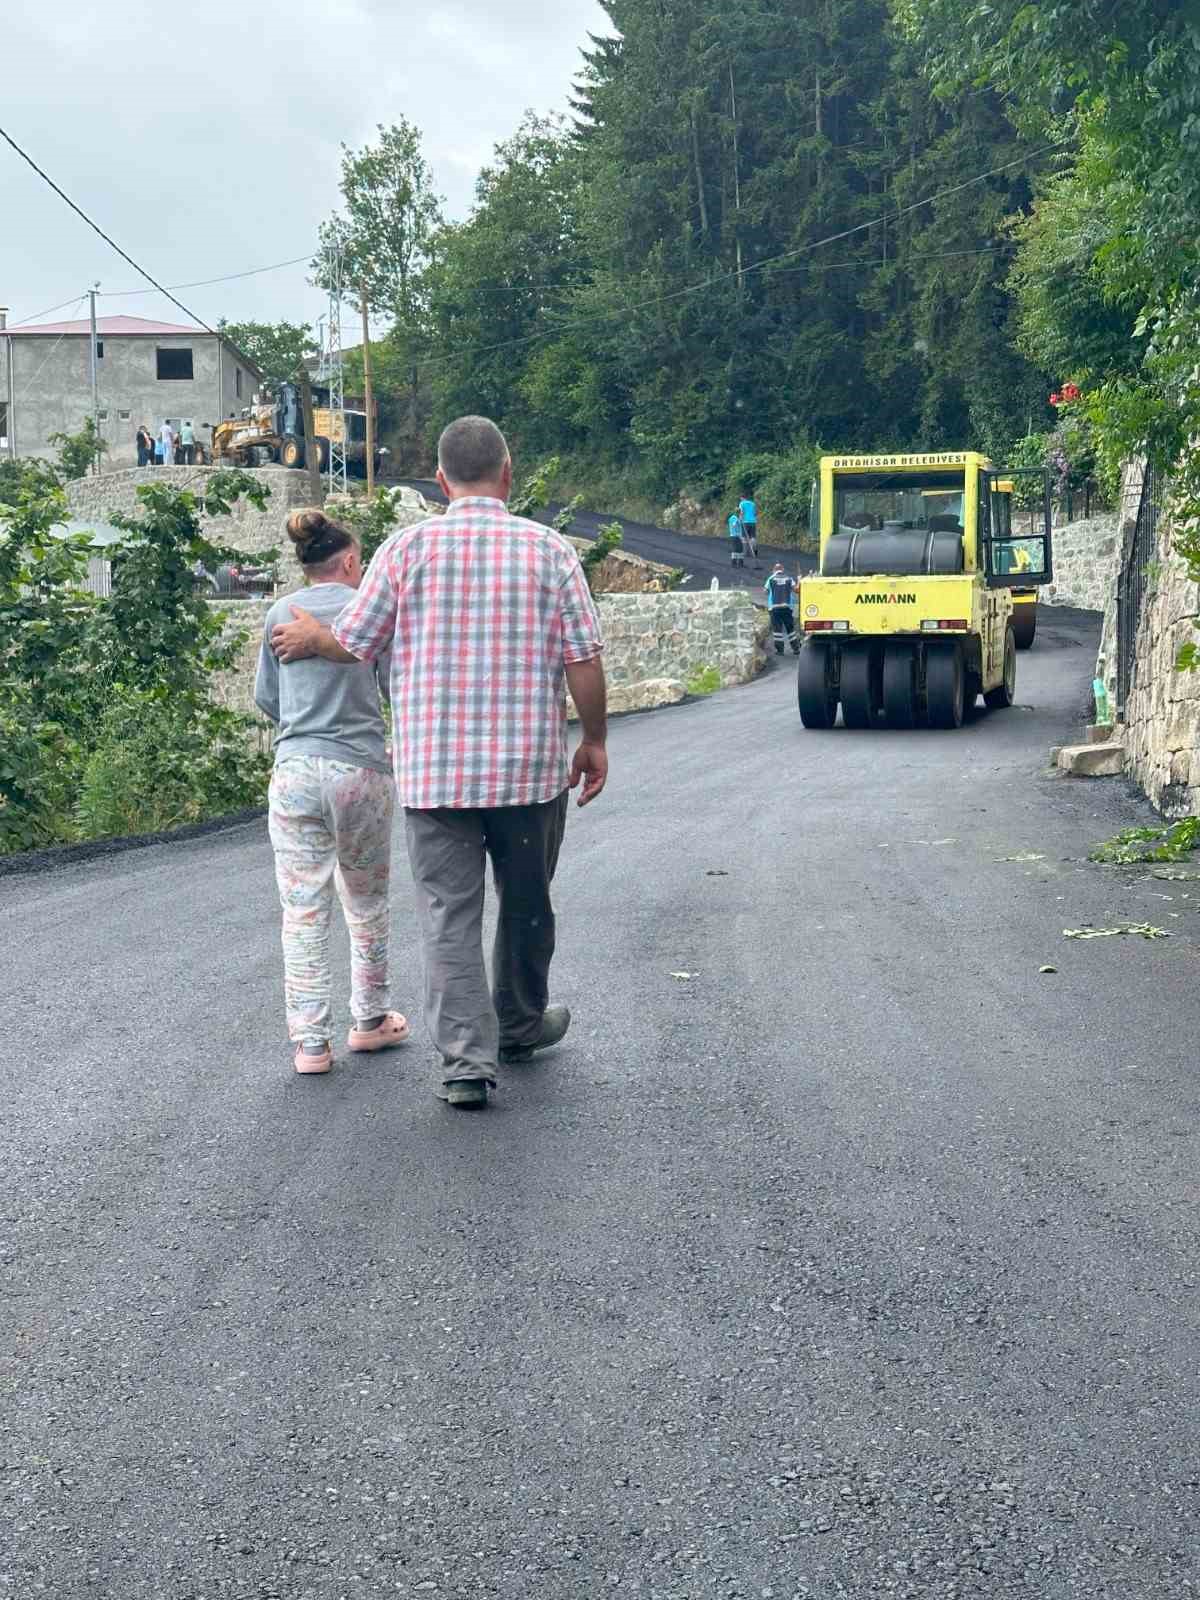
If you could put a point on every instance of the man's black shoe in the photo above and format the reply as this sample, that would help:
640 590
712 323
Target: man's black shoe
555 1022
465 1093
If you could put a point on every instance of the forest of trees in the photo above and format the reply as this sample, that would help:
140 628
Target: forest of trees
759 229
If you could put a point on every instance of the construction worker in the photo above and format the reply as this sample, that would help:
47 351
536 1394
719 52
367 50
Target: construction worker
748 512
736 556
781 593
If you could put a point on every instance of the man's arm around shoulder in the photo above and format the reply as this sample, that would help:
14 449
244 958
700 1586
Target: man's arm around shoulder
304 637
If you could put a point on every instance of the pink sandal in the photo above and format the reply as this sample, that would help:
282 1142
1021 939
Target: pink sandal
393 1030
308 1063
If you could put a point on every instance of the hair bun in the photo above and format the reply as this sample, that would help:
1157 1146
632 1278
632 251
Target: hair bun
305 528
316 538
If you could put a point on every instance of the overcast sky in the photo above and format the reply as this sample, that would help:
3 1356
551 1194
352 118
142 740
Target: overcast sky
205 140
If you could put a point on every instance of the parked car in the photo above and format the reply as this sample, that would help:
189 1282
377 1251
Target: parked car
233 580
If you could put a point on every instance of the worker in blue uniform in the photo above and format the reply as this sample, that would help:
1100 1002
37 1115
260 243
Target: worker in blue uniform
781 596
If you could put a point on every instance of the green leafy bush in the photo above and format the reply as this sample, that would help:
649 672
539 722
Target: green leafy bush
78 452
747 473
608 538
1171 842
159 764
38 762
785 493
107 720
372 519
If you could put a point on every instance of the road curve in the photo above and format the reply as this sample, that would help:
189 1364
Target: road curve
838 1252
701 557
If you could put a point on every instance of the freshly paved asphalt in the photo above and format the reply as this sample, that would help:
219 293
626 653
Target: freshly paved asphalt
862 1261
702 558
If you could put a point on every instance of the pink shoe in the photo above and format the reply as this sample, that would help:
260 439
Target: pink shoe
308 1063
393 1030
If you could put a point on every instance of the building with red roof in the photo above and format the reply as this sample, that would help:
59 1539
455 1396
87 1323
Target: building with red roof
146 372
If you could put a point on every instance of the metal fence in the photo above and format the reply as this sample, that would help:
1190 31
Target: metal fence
99 576
1137 560
1084 500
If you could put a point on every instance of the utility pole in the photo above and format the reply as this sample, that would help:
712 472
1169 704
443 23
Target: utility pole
368 395
312 454
333 368
10 425
95 378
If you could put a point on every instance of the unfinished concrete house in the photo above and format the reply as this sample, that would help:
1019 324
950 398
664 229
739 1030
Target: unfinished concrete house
146 372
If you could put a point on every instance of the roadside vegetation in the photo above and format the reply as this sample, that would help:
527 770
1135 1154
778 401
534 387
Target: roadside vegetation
745 242
108 719
1133 846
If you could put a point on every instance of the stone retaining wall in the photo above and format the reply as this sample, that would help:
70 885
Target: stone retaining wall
1087 556
251 530
1162 715
1131 495
655 644
246 528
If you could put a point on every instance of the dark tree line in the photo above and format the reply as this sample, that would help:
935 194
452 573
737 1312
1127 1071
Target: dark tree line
725 249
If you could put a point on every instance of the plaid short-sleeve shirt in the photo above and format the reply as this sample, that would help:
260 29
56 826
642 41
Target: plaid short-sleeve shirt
483 611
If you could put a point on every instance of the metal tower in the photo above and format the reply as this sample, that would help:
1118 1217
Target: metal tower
333 376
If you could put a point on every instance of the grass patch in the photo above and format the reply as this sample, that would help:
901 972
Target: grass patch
705 680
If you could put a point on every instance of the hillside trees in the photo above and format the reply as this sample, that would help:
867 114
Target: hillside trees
732 252
277 349
763 229
1109 263
382 242
501 280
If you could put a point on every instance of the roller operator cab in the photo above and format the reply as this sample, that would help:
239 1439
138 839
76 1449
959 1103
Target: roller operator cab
911 615
1024 617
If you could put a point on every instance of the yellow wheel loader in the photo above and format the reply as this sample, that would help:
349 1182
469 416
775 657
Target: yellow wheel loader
910 617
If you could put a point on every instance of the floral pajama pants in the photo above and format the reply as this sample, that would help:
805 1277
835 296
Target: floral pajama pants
331 824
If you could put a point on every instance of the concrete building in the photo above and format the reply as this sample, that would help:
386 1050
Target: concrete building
146 372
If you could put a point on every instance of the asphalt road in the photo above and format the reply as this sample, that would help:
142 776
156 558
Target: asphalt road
860 1262
701 557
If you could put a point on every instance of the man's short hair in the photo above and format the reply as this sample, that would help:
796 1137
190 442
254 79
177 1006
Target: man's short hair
472 450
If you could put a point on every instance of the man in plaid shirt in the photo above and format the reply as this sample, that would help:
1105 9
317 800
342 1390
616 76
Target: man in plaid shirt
488 616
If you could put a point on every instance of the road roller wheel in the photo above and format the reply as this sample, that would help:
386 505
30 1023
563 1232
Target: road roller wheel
945 684
817 684
1024 625
900 703
1005 692
862 686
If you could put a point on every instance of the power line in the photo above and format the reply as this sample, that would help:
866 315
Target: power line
889 261
203 283
73 302
95 227
756 266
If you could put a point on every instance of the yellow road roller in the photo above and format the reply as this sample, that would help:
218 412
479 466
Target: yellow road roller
1024 617
910 616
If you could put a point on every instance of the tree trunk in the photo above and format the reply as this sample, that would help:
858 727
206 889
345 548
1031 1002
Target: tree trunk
699 175
737 181
368 394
